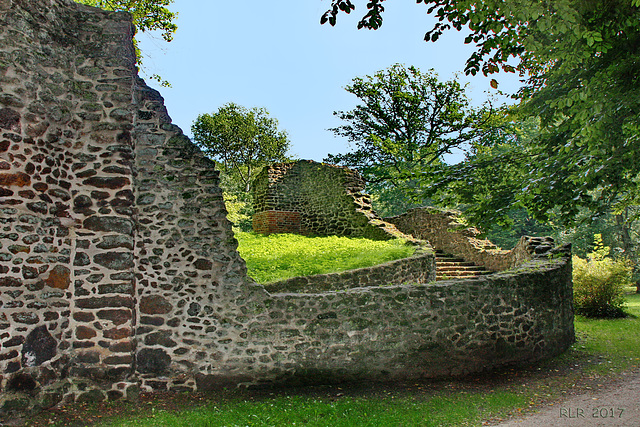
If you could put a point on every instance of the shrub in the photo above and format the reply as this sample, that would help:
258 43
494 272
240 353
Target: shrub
599 282
239 212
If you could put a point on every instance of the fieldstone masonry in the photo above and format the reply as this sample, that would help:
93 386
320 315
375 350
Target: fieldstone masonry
311 198
417 268
67 217
446 232
119 271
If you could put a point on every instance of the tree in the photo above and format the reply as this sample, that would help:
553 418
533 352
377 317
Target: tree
242 140
583 82
490 185
405 123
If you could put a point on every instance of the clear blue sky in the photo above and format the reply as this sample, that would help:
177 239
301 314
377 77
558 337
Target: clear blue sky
275 54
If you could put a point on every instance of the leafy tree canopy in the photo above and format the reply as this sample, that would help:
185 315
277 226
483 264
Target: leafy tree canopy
583 83
242 140
405 123
493 180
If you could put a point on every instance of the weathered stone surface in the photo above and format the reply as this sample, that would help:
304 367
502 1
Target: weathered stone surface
118 317
153 361
18 179
162 338
38 207
59 277
81 259
22 382
10 100
115 260
105 302
114 242
109 224
82 201
15 341
10 282
155 304
26 317
84 333
117 333
83 316
203 264
39 347
10 119
112 183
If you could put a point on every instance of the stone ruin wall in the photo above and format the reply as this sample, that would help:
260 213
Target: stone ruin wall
67 216
114 238
417 268
119 271
311 198
445 231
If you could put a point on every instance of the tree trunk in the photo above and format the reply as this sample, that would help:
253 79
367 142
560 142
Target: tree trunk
625 234
622 220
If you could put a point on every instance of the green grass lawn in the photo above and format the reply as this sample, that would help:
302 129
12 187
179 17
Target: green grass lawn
281 256
455 410
616 340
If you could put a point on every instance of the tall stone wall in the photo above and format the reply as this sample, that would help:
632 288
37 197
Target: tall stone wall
307 197
67 187
119 270
114 237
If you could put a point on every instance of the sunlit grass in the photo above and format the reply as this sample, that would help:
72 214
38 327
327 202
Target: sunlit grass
450 409
281 256
610 346
616 341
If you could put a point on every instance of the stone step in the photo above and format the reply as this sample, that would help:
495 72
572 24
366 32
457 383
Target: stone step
454 263
450 267
462 273
472 268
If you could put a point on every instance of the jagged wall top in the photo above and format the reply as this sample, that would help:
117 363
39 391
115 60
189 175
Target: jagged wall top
308 197
110 218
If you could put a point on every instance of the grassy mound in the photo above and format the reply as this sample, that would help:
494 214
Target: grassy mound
281 256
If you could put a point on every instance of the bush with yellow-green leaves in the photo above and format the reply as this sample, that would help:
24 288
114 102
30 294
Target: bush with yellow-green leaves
599 282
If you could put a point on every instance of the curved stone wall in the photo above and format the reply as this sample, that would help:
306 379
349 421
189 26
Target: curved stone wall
119 271
418 268
445 231
415 331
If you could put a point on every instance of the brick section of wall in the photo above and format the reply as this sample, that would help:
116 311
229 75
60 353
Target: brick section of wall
267 222
328 198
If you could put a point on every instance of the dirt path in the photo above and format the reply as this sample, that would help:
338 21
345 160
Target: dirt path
617 405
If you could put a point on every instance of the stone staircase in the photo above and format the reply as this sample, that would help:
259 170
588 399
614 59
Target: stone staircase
451 267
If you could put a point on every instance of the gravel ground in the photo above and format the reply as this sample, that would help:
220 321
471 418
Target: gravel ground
616 405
